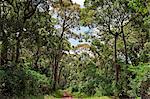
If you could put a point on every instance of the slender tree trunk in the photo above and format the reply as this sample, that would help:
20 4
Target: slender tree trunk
59 74
115 58
55 74
4 39
56 68
37 56
125 46
126 58
12 53
4 48
17 48
115 46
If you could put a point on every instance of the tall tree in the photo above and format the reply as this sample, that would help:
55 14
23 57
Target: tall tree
67 14
112 17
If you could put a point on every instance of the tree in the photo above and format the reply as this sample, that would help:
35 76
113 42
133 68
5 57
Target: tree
14 15
67 17
112 17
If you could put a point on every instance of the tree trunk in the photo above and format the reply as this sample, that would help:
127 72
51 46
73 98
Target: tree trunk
115 58
55 74
17 48
4 48
59 74
125 46
37 56
4 39
58 55
126 58
56 68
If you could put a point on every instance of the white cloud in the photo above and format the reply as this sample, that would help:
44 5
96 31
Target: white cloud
81 2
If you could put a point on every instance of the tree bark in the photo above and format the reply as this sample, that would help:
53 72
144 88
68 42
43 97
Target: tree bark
115 58
125 45
37 56
4 39
59 74
55 74
17 48
58 55
4 48
126 56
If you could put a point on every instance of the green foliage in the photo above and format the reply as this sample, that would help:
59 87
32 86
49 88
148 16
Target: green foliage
142 72
58 93
23 81
36 57
37 82
139 5
91 81
86 16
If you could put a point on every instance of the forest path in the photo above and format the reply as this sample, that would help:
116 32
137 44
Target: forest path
66 95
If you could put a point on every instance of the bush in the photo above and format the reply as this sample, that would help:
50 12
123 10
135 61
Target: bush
20 81
141 82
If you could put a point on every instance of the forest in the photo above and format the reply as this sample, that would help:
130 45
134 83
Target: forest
110 59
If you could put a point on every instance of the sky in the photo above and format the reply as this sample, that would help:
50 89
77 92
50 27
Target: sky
82 30
81 2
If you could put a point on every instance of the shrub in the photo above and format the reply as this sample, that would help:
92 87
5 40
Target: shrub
141 82
20 81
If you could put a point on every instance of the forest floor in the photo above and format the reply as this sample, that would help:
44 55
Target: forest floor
65 95
104 97
94 97
52 97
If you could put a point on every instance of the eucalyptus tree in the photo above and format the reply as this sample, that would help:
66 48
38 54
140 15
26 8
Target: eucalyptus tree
21 21
67 16
112 17
14 14
141 27
140 31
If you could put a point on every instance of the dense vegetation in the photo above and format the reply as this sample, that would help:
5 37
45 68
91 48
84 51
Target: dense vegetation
112 58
